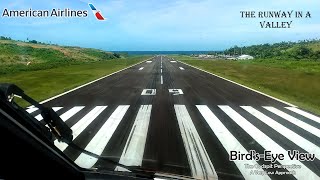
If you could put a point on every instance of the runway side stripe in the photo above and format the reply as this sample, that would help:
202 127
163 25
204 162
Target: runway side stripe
305 114
230 143
292 136
132 154
199 161
39 117
181 68
141 68
268 144
67 115
81 125
293 120
101 139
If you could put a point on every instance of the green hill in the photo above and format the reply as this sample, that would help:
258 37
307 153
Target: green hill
18 56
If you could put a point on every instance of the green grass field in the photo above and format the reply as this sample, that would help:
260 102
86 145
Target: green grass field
297 82
43 84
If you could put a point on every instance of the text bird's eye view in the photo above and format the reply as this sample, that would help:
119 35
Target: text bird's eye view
180 89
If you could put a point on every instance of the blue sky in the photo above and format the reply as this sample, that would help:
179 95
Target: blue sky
160 24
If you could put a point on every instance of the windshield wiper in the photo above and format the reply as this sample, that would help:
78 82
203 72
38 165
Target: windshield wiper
58 128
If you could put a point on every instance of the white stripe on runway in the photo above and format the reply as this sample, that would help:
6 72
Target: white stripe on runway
148 61
161 71
65 116
230 143
292 136
181 68
161 79
132 154
81 125
31 110
293 120
173 61
268 144
101 139
39 116
305 114
199 161
141 68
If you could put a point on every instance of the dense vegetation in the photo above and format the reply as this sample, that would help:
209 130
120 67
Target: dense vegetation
29 56
301 50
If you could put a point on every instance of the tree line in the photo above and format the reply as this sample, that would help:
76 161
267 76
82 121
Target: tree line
306 49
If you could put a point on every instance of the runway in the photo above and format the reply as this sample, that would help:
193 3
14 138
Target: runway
165 116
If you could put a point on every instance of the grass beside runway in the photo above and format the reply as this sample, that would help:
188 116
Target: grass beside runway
297 82
43 84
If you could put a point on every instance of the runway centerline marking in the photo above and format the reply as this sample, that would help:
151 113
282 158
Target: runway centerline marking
267 143
81 125
141 68
229 142
148 61
161 79
181 68
132 154
173 61
101 139
198 158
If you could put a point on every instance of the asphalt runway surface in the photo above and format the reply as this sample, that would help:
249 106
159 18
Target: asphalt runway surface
165 116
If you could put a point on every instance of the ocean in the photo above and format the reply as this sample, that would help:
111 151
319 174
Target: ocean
164 52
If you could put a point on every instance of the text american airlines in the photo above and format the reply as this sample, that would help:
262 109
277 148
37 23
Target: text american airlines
55 12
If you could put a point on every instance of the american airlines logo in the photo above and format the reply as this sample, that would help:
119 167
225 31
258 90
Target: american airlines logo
55 12
96 12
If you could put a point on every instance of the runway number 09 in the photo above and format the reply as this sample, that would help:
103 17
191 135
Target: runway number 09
176 92
152 92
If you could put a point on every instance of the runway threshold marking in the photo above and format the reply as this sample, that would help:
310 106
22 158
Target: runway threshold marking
81 125
230 143
31 110
198 158
132 154
268 143
39 116
141 68
293 120
101 139
305 114
67 115
289 134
